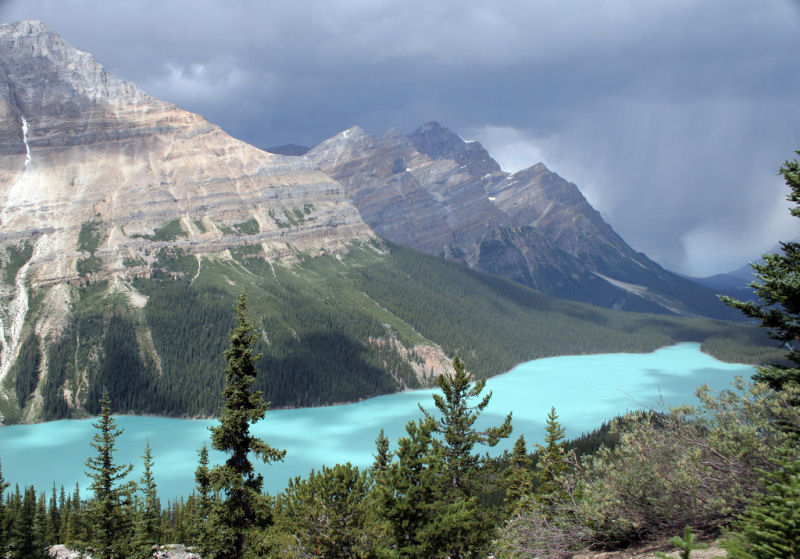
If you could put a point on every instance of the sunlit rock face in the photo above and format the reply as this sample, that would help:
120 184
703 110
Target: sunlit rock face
435 192
97 177
79 145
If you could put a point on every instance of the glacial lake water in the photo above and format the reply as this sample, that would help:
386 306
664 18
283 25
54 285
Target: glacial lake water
585 390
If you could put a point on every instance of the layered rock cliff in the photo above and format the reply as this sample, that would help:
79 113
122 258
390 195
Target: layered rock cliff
435 192
98 179
79 145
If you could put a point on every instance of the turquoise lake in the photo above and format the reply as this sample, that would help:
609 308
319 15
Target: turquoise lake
585 390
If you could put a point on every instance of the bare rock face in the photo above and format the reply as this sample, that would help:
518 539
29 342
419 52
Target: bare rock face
78 145
435 192
96 177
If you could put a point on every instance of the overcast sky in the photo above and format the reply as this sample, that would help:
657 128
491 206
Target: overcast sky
672 117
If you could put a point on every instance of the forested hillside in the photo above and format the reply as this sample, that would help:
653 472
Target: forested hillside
378 319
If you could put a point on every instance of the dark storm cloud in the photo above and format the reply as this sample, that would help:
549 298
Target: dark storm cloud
672 117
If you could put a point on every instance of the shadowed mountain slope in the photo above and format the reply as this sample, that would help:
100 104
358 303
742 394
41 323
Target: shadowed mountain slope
432 191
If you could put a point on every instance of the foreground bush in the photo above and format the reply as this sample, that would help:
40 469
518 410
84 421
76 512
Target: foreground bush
694 466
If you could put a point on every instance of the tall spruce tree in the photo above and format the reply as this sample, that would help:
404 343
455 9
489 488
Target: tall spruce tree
74 527
3 515
54 515
777 285
41 529
24 543
464 528
383 456
409 493
108 522
200 530
148 523
456 426
517 477
242 406
552 465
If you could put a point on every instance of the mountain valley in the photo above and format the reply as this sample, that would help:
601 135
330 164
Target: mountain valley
129 226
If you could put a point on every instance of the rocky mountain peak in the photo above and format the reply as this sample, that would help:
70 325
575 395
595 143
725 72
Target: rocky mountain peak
50 75
342 146
435 192
81 148
438 142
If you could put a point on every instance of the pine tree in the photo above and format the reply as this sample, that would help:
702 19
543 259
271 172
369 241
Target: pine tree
457 426
241 408
148 523
517 477
109 525
201 531
409 493
464 529
383 456
41 531
552 465
54 516
770 526
328 513
74 533
24 544
3 515
777 286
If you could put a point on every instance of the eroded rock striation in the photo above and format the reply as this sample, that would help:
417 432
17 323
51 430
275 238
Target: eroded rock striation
97 178
78 145
433 191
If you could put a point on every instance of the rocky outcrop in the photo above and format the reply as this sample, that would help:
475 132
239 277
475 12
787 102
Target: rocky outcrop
435 192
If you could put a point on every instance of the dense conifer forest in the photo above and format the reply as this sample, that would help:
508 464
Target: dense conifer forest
332 329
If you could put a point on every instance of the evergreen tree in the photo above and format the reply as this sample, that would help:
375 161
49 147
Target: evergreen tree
770 526
457 426
383 456
517 477
328 513
148 523
464 528
410 496
108 522
552 465
54 516
686 544
242 407
778 288
24 544
3 515
201 532
41 528
74 533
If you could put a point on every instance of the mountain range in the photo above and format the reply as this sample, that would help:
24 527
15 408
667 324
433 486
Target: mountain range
434 192
128 226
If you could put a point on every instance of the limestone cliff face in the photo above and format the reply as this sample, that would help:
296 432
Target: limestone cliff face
435 192
96 177
78 145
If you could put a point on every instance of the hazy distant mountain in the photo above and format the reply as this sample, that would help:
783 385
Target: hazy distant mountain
434 192
735 283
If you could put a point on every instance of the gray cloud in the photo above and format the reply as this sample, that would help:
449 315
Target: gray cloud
672 117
